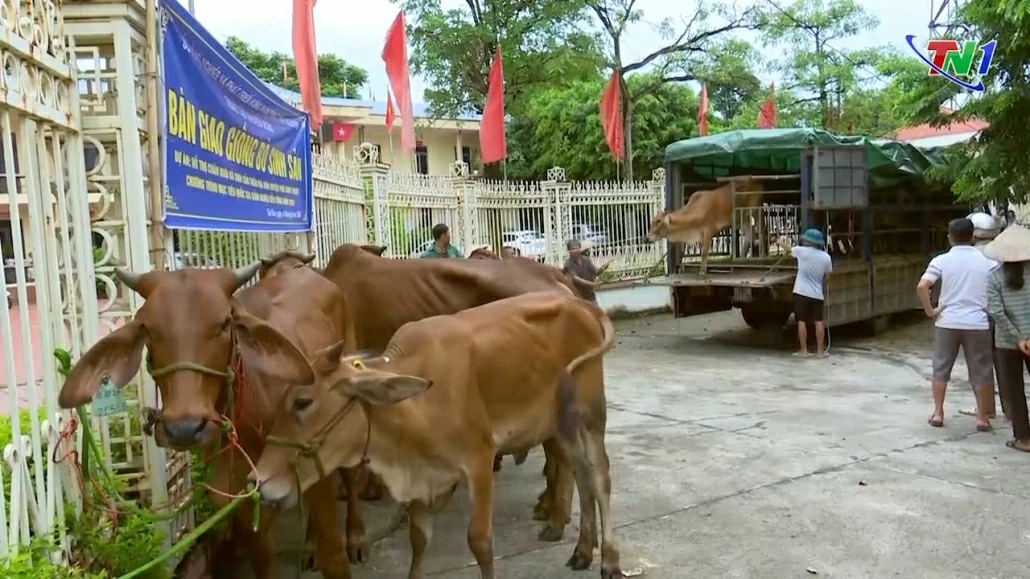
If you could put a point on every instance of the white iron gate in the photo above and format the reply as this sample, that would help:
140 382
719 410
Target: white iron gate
45 241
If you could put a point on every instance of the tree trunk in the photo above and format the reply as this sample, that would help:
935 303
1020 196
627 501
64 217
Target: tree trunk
627 123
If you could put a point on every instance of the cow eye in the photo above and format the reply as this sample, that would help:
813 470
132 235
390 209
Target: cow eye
302 404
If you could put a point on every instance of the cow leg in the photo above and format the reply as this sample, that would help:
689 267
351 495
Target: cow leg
583 554
373 490
497 463
598 459
420 532
481 526
324 523
560 512
260 545
546 500
706 247
357 550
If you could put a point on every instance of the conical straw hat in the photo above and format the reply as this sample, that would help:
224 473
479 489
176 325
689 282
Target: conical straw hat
1013 244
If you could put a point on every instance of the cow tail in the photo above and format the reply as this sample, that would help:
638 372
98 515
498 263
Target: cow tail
607 343
568 411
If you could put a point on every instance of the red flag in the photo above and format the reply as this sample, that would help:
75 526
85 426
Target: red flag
391 116
611 116
702 111
307 59
395 55
342 131
492 143
767 112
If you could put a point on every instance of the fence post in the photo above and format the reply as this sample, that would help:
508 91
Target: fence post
657 206
557 214
467 229
374 182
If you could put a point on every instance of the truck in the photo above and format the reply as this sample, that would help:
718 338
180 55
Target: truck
883 219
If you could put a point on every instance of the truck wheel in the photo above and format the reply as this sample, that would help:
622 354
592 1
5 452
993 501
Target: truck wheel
758 318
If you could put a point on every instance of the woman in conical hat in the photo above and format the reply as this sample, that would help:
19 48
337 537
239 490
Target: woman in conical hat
1008 297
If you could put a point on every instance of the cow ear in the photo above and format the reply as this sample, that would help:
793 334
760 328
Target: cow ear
326 361
382 387
374 249
118 356
267 351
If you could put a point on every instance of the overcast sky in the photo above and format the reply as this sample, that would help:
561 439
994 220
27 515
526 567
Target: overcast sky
356 30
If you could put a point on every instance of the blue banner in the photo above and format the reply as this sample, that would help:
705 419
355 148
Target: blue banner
237 157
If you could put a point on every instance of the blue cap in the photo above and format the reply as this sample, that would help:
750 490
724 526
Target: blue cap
813 236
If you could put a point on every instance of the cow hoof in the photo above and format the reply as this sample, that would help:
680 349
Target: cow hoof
309 566
357 552
497 463
580 561
610 572
551 534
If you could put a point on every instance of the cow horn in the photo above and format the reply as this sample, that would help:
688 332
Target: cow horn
128 277
271 259
243 274
306 258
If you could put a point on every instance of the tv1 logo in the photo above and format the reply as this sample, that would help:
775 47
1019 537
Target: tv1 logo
957 61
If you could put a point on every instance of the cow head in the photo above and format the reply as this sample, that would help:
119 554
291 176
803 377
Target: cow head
283 261
189 324
329 419
659 227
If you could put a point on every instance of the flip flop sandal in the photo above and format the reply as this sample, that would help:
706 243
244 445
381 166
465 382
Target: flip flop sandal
935 423
1012 444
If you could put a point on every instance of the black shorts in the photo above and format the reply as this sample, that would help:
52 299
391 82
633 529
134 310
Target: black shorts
807 309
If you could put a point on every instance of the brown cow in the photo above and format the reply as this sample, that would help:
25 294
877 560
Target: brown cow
385 294
211 357
507 375
707 213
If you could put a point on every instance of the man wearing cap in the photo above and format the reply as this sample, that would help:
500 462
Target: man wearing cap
985 229
814 267
960 320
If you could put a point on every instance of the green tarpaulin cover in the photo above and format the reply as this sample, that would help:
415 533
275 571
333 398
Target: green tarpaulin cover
778 150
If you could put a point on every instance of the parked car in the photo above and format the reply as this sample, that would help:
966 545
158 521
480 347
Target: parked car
530 243
588 234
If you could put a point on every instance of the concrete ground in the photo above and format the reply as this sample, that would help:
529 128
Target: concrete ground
730 458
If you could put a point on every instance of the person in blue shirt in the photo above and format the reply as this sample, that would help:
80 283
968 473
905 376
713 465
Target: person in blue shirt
441 247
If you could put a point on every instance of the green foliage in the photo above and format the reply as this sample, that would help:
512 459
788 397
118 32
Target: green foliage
25 423
33 563
995 167
562 127
544 44
115 552
337 76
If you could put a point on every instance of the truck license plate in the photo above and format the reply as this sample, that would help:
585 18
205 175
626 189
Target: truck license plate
742 294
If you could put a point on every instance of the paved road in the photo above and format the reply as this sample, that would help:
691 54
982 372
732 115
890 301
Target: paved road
732 459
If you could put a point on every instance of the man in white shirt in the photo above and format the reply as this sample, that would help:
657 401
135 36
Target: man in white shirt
961 320
814 267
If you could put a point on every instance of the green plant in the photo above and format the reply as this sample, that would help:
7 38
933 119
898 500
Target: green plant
25 423
115 551
33 563
98 256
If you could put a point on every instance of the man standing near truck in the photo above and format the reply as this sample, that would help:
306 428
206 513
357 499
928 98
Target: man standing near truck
960 320
814 267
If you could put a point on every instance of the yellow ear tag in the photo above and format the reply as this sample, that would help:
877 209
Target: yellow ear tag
357 364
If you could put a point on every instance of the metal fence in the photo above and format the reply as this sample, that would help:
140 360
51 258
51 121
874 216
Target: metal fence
49 293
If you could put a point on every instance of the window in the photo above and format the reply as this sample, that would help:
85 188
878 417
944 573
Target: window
466 155
421 159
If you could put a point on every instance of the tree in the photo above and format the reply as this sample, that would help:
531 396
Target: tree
729 74
677 57
542 44
338 77
562 127
995 166
814 69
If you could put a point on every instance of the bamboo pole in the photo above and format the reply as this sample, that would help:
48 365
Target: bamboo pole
157 229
